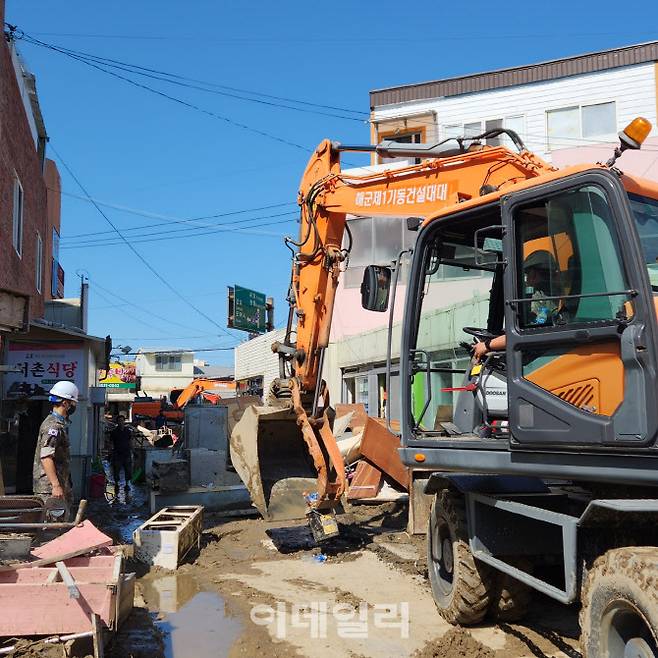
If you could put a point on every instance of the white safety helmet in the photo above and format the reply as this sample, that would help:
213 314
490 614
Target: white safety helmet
65 391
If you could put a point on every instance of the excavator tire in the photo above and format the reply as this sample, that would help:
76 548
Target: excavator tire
619 614
461 587
510 598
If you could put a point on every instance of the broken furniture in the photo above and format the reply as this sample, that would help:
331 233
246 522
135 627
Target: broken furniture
168 536
22 509
73 577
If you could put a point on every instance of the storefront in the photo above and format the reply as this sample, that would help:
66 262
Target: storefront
38 359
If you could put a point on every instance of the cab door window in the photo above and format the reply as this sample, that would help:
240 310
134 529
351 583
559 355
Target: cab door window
570 275
568 260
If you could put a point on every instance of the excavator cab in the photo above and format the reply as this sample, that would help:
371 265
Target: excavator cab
569 288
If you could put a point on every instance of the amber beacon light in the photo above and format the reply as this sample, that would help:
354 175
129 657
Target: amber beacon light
631 137
635 133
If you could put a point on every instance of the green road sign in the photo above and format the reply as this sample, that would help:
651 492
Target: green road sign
249 310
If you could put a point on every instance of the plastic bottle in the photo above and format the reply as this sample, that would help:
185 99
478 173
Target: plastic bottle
542 315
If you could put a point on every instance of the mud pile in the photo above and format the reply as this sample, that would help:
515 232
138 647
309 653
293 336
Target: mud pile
456 643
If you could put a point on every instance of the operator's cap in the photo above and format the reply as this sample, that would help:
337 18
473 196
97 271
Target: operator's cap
65 390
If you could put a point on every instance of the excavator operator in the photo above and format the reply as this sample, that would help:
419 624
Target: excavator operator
540 273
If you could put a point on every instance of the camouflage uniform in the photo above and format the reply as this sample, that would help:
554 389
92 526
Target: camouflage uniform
53 442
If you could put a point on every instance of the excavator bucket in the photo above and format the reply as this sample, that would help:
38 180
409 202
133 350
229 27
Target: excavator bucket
279 459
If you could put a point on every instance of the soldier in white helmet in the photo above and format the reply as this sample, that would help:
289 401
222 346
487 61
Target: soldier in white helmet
52 459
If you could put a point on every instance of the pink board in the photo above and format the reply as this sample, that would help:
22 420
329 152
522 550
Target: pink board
84 536
33 606
47 609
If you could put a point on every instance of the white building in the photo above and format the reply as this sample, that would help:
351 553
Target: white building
256 365
575 101
567 111
160 371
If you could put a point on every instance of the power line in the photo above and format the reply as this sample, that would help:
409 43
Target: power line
212 293
174 99
191 83
150 338
136 68
140 308
188 232
137 319
202 349
141 258
84 237
168 219
247 230
357 40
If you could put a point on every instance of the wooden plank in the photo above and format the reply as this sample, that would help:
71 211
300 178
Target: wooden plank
366 483
380 448
126 598
359 417
68 580
97 629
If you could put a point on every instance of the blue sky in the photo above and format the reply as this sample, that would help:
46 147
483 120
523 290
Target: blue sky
136 150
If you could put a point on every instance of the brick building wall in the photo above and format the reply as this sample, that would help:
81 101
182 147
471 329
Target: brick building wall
19 157
54 202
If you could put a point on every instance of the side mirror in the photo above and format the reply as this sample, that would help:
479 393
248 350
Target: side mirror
375 288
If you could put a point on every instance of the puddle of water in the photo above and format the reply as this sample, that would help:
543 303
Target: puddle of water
195 622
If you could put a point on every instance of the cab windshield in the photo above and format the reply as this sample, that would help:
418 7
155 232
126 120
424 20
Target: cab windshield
645 210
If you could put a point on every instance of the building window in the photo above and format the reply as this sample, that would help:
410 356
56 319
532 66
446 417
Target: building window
474 128
566 125
415 137
493 124
54 273
562 125
168 362
39 263
599 119
18 216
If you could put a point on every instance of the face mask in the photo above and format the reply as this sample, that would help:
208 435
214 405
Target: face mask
70 411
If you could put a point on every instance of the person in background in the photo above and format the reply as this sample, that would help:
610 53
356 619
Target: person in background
121 438
160 421
51 473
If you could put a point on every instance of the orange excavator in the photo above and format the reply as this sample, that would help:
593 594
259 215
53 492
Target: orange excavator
200 389
284 449
556 490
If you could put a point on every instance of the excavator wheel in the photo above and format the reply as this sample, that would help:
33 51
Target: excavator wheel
461 587
619 615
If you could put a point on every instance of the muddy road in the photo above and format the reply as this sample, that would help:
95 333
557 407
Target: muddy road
259 588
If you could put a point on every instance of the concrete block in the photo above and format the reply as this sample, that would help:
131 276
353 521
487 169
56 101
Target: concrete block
155 455
173 475
206 426
230 500
206 466
167 537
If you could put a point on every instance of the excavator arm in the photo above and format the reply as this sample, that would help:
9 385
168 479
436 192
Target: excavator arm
283 449
195 388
